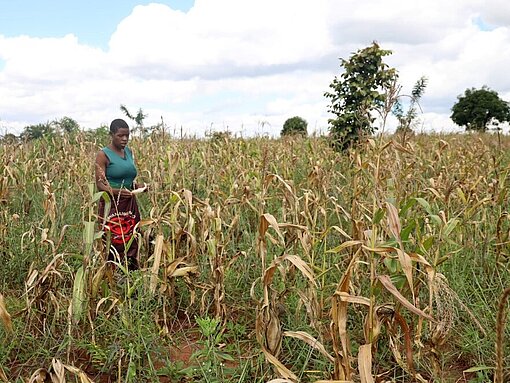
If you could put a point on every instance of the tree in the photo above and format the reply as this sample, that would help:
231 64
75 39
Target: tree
359 91
293 126
100 135
138 119
67 125
477 108
33 132
407 121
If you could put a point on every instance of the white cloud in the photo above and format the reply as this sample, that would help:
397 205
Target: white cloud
250 65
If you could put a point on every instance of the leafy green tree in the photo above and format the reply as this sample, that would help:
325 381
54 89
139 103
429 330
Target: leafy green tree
477 108
100 135
294 126
67 125
34 132
358 93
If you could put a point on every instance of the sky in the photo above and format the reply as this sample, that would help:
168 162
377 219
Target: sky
244 66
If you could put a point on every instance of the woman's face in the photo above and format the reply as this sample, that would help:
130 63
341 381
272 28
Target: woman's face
120 138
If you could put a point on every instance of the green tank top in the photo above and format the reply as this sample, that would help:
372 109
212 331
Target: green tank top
120 172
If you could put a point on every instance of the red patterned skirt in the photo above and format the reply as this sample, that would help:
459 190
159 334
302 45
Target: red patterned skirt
120 223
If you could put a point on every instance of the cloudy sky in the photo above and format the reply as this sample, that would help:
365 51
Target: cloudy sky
238 65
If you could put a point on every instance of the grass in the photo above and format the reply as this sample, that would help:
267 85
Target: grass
388 261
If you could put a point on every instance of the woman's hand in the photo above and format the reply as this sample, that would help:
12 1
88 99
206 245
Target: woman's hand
141 188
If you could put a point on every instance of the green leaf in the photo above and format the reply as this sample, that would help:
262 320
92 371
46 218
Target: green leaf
225 356
436 219
378 216
450 225
409 204
423 203
399 281
79 295
427 243
391 264
406 231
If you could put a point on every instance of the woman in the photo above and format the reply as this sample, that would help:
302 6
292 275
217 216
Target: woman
115 174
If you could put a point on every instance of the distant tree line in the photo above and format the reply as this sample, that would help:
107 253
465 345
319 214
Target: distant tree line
367 88
68 126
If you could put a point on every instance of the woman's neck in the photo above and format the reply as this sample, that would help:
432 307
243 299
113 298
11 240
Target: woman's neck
116 149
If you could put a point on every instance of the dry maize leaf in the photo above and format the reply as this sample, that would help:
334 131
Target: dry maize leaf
269 177
31 279
283 371
252 290
158 251
280 381
269 273
146 222
380 249
182 271
292 226
3 377
188 197
393 220
344 245
407 267
97 278
395 228
436 193
371 327
333 381
306 242
270 221
263 226
399 147
39 376
312 307
400 362
58 375
386 282
273 333
339 229
112 305
76 371
302 266
407 340
365 363
339 318
419 258
311 341
174 265
4 315
346 297
396 352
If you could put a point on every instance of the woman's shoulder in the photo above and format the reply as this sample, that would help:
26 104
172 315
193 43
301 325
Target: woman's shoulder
102 154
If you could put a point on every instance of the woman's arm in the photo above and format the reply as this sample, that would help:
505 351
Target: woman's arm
100 167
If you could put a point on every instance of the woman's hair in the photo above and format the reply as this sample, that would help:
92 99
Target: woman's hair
117 124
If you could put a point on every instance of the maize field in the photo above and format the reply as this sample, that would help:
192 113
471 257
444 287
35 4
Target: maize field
261 260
